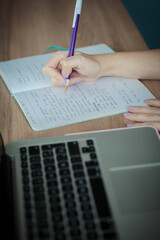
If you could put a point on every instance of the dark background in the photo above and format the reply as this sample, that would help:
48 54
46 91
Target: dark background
146 15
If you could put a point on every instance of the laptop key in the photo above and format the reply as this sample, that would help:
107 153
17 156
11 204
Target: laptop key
44 233
89 142
24 164
86 207
82 190
38 189
55 208
100 197
48 161
73 148
58 226
84 198
34 150
37 181
25 172
76 160
67 188
62 157
81 182
47 154
88 216
57 217
41 214
62 165
39 197
68 196
92 235
54 200
110 236
42 223
105 225
40 205
52 184
23 157
79 174
58 145
64 172
93 163
93 172
77 167
37 173
35 166
53 191
71 213
93 155
51 175
73 222
23 150
75 232
35 159
70 205
65 180
90 225
60 236
46 147
60 150
85 149
50 168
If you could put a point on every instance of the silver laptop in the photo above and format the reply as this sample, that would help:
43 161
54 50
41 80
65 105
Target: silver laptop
99 185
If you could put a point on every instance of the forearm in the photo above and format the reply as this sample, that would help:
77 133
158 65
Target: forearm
142 64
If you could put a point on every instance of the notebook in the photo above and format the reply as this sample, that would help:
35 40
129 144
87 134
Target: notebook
48 107
93 186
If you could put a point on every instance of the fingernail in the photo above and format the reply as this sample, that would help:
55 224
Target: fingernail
130 107
63 74
75 74
130 125
146 100
79 80
61 82
127 114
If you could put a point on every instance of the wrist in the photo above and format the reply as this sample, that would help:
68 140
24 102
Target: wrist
107 64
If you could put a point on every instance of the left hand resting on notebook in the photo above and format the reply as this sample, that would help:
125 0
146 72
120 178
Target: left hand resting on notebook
145 115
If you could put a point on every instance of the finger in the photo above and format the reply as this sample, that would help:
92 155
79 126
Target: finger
137 109
74 74
75 80
53 62
142 117
153 124
57 83
72 63
51 68
153 102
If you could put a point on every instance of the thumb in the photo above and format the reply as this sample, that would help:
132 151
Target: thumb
68 65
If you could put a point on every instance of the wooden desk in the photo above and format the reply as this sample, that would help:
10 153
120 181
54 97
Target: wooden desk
29 27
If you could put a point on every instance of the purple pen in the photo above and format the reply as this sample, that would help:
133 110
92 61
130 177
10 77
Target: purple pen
77 13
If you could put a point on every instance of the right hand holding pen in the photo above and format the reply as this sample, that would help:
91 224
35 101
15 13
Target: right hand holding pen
82 67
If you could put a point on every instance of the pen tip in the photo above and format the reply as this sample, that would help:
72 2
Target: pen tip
66 88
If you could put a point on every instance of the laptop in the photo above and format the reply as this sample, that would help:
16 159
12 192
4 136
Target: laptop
96 185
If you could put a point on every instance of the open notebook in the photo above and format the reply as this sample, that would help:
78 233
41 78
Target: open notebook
48 107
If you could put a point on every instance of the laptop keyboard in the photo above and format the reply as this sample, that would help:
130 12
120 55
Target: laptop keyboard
64 197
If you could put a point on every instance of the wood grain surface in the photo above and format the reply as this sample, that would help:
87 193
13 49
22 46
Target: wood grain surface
28 27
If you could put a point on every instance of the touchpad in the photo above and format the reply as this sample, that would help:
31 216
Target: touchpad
137 188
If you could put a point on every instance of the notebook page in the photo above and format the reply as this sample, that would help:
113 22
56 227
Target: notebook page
52 107
25 74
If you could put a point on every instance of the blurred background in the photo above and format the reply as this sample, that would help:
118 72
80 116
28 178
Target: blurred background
28 27
146 15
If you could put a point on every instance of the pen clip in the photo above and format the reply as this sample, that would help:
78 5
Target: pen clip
78 8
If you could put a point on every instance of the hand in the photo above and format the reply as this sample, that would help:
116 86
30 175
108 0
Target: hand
82 67
145 115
